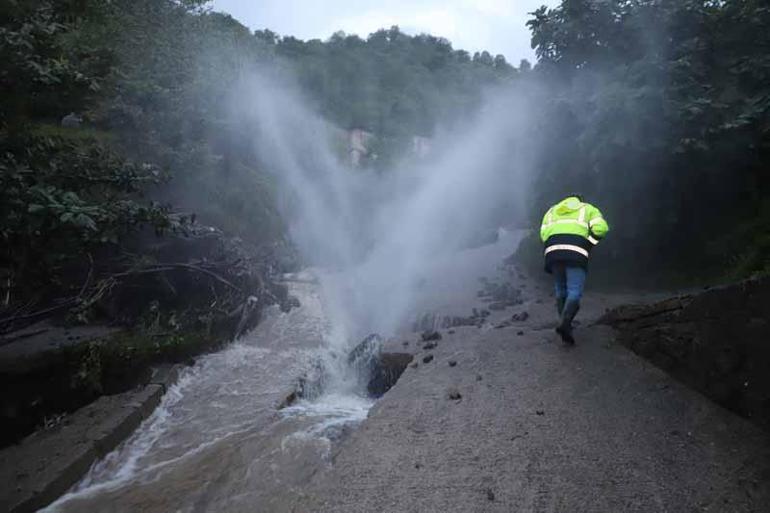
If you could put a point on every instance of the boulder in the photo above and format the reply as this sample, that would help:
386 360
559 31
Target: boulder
431 335
520 317
377 371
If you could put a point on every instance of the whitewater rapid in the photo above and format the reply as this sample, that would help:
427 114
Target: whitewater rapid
221 409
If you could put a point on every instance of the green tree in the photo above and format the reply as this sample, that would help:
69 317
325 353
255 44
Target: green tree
659 110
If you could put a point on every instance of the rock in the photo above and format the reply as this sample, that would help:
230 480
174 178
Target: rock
248 310
478 377
71 120
520 333
711 341
427 359
389 369
490 494
539 412
451 332
289 303
365 351
429 346
520 317
431 335
312 383
453 394
452 363
377 371
414 365
406 343
165 376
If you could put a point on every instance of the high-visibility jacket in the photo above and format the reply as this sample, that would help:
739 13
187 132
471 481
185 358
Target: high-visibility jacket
570 230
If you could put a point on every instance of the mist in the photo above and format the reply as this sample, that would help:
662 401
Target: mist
371 235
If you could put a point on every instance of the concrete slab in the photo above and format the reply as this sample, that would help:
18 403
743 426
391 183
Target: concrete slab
541 427
46 464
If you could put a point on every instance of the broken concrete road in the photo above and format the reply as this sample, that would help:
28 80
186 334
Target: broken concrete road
543 428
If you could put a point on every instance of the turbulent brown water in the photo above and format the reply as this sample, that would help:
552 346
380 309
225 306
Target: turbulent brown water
218 441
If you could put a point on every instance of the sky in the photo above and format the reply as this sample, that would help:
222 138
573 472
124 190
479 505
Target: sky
497 26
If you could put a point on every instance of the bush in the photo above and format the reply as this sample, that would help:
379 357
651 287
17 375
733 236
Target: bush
61 200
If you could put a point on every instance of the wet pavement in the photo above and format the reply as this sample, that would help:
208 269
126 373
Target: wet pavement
517 423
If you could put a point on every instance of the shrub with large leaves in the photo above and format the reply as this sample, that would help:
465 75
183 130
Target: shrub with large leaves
62 199
40 73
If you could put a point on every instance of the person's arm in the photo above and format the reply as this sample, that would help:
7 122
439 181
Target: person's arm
544 225
597 225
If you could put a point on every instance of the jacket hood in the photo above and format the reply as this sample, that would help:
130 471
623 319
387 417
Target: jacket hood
568 205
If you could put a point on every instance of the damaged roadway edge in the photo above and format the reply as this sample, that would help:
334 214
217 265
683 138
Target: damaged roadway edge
383 372
46 464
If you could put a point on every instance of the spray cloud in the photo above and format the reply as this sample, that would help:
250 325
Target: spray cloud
373 235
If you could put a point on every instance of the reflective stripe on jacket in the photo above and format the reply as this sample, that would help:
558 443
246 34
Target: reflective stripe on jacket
570 229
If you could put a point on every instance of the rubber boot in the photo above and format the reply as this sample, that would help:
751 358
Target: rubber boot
565 327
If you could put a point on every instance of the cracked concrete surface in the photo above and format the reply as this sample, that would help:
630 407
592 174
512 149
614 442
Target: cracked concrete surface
543 428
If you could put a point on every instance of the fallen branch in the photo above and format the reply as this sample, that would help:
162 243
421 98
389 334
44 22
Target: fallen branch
39 313
88 277
104 285
21 336
169 267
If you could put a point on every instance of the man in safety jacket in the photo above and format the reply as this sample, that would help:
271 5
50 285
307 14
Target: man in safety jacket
570 229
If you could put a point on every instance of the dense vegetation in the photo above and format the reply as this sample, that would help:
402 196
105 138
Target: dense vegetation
659 111
656 109
391 84
149 143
